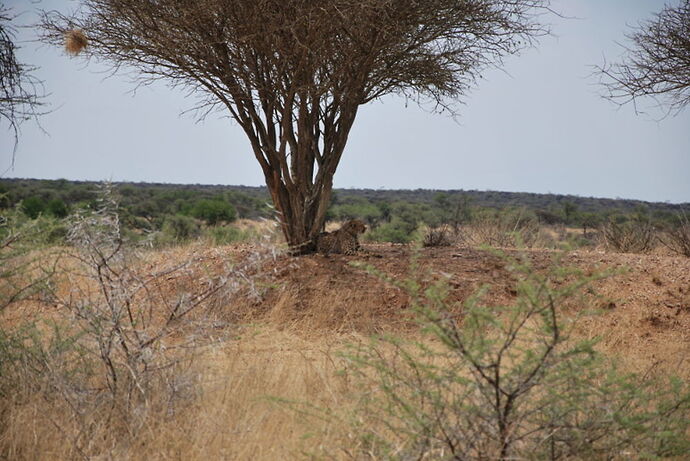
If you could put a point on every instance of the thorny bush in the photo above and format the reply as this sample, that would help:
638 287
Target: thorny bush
491 382
677 238
633 236
121 349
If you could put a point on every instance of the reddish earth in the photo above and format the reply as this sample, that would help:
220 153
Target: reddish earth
645 315
645 308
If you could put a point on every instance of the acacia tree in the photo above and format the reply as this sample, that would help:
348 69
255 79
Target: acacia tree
293 73
658 65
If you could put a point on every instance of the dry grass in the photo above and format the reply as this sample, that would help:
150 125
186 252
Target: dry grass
234 416
244 375
237 415
286 333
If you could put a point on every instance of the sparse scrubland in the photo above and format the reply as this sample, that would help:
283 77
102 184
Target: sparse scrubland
165 215
557 346
171 322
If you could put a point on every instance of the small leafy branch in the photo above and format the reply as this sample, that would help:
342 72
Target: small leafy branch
510 382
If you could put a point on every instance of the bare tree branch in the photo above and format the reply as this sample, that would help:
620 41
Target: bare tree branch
658 65
20 91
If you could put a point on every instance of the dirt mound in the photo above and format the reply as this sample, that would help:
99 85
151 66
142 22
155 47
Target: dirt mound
645 309
330 293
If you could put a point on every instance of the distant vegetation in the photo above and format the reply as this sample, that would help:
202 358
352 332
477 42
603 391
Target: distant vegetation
178 213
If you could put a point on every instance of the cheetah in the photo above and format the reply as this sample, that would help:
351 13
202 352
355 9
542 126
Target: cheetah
344 240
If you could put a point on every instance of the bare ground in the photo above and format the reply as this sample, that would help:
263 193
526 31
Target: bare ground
645 307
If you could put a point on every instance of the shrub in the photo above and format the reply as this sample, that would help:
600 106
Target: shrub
575 241
549 217
437 237
502 228
124 319
57 208
396 231
4 198
120 362
57 235
145 209
23 272
214 211
634 235
140 223
178 229
360 209
509 382
589 221
677 237
33 207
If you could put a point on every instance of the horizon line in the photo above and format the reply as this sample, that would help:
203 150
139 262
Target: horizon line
383 189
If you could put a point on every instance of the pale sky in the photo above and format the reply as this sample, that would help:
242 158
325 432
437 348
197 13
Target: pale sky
540 125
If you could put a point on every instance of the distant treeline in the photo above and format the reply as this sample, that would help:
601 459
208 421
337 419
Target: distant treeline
394 214
140 199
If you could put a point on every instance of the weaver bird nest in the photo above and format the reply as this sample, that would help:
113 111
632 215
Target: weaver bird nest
75 41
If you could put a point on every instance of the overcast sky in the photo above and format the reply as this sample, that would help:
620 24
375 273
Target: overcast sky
540 125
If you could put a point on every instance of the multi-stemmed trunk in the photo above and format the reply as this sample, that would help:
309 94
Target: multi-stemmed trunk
299 155
302 193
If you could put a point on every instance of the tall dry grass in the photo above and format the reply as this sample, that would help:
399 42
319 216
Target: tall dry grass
269 393
233 416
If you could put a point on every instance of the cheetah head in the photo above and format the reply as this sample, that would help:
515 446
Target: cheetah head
354 227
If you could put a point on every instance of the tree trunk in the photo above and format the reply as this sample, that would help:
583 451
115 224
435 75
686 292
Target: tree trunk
301 218
301 193
298 138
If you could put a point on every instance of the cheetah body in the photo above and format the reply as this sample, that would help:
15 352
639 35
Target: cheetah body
342 241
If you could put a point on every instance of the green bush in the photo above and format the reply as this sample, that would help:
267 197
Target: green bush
178 229
509 382
140 223
214 211
145 209
4 198
356 209
396 231
57 208
33 207
57 235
